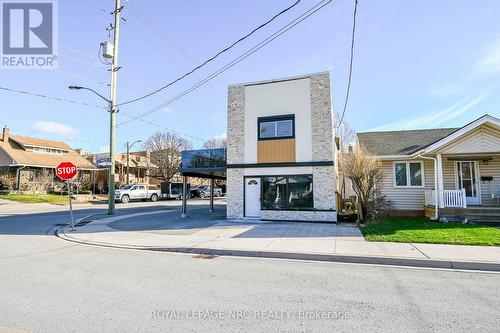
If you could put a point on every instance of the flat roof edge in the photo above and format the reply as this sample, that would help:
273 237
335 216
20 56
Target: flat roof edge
289 78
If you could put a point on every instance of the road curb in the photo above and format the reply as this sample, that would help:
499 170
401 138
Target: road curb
369 260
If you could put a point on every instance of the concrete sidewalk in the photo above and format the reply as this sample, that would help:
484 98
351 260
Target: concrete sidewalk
205 233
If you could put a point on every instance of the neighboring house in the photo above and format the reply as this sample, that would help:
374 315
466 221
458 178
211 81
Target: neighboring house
30 162
139 167
461 164
280 150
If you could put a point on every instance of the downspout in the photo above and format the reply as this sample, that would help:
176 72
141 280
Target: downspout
18 176
436 203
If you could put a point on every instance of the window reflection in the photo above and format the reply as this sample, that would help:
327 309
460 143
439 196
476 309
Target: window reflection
287 192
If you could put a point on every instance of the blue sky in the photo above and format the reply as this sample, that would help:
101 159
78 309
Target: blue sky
418 64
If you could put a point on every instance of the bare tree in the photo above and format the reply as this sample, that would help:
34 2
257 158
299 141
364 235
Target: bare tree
7 179
365 173
84 181
345 133
165 148
216 142
101 180
46 180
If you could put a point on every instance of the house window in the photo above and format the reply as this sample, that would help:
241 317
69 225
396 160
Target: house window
276 127
287 192
34 175
408 174
47 150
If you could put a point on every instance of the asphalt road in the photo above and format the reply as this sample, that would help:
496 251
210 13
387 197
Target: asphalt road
50 285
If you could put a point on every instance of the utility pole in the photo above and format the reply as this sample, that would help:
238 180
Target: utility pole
128 163
113 110
128 158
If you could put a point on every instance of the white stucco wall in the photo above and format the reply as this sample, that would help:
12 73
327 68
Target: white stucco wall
279 98
278 171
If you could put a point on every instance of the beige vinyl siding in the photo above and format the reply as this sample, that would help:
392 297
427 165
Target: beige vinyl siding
491 169
449 182
484 139
407 198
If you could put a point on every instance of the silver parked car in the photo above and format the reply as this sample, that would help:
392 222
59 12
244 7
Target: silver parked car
136 192
203 191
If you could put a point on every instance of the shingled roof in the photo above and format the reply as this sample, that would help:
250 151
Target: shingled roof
392 143
15 151
36 142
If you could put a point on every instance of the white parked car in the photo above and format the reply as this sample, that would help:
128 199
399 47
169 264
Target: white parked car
136 192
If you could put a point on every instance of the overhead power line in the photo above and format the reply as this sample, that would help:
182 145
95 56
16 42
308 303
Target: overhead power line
162 127
249 52
96 106
154 45
137 13
213 57
50 97
350 63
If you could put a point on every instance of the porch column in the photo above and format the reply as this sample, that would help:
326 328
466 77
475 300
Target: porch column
211 209
440 186
184 197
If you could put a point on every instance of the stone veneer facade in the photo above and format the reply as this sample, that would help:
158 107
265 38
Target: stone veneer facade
323 150
235 150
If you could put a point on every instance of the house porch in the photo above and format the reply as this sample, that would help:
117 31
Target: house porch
468 186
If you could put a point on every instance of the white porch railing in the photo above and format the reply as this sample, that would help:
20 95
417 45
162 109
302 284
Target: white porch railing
447 198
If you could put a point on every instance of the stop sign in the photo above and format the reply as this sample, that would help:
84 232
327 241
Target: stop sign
66 170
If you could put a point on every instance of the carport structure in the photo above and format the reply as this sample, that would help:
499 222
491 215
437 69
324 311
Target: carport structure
202 163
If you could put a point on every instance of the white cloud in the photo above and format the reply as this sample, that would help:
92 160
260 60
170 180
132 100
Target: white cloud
223 136
486 66
489 61
167 110
446 89
434 118
51 127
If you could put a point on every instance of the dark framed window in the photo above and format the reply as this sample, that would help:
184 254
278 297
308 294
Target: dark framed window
276 127
34 175
287 192
408 174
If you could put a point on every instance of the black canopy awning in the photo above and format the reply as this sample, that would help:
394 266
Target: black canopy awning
204 163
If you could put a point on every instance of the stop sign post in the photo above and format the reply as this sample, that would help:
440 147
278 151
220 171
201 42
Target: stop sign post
67 171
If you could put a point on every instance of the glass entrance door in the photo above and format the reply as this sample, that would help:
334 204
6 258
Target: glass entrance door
467 179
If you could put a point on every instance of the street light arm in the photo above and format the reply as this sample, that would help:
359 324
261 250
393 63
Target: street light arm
133 143
89 89
95 92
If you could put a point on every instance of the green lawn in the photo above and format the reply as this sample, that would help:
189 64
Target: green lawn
37 198
421 230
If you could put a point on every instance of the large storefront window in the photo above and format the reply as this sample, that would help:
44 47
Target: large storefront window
287 192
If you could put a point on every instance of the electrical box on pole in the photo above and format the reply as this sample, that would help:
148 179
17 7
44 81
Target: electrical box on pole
107 50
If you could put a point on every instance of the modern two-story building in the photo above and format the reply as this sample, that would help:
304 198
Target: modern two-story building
280 150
